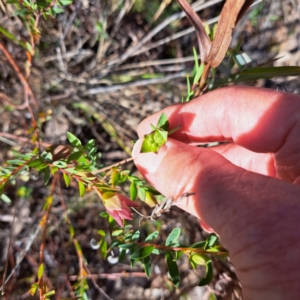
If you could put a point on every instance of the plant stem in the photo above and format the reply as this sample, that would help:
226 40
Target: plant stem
122 162
183 249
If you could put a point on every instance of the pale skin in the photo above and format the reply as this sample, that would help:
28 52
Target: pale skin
247 191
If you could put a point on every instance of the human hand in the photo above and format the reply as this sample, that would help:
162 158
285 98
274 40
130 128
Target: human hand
248 190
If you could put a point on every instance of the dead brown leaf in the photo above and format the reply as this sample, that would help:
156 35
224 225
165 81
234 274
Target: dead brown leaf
203 39
230 15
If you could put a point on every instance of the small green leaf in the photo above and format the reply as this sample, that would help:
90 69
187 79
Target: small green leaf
178 255
147 265
35 162
9 35
42 3
133 191
152 127
29 48
142 193
65 2
163 122
142 252
105 188
115 178
173 236
193 264
122 255
132 262
154 140
115 244
60 164
101 232
33 289
198 245
173 269
67 179
81 188
75 156
111 221
48 202
152 236
117 232
211 240
92 151
17 162
150 199
73 139
46 175
89 145
127 246
104 214
136 236
103 248
208 272
40 271
57 10
122 177
160 137
54 170
128 236
149 144
71 231
21 12
5 199
156 252
199 259
50 293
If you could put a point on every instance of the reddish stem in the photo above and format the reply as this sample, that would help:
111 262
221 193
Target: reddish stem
183 249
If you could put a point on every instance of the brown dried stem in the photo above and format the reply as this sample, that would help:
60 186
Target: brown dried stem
122 162
186 250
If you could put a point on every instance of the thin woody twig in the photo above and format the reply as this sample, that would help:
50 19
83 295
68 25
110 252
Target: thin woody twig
97 287
122 162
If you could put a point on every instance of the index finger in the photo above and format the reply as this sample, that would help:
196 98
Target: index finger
254 118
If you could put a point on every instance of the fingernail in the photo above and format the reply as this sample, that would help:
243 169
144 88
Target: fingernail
148 161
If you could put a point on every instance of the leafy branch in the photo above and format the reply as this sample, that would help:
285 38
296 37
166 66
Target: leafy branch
172 250
159 135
